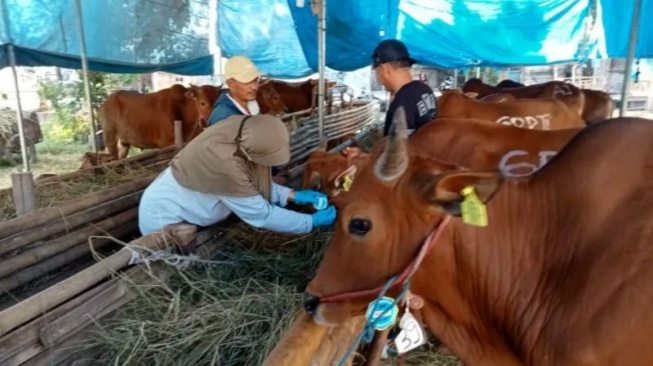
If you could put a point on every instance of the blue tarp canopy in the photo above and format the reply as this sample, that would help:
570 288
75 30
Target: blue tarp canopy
617 17
122 36
138 36
282 38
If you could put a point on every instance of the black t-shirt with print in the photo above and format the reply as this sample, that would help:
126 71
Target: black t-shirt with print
419 103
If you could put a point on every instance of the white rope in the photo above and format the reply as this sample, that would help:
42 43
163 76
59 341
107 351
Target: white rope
179 261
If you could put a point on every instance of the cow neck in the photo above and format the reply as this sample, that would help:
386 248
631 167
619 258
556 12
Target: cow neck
485 280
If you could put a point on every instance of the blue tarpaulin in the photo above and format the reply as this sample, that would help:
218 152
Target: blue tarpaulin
617 16
282 38
122 36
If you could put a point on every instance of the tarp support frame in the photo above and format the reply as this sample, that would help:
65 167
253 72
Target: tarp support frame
87 86
628 67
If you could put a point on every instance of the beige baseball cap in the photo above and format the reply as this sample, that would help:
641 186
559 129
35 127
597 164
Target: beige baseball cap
242 69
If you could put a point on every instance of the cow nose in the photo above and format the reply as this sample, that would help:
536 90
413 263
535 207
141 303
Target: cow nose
311 303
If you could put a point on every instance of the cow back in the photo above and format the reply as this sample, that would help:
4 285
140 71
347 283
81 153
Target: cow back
541 114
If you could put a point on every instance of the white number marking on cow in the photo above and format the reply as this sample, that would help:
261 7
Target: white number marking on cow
529 122
508 169
562 89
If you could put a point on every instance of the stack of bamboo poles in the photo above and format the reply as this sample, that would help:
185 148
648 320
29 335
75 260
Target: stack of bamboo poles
39 243
42 329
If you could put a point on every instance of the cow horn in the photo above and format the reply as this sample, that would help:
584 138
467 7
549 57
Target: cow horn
394 159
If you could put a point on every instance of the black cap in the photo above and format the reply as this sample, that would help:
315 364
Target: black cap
390 50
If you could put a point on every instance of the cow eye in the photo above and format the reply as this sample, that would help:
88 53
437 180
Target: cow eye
359 226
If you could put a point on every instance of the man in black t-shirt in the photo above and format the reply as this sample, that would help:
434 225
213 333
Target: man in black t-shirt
392 64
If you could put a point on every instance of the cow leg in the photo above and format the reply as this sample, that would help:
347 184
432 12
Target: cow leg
123 149
110 141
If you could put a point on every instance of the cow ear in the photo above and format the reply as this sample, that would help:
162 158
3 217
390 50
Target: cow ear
445 190
314 82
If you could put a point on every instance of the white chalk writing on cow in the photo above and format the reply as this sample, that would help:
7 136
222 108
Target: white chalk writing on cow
509 169
529 122
562 89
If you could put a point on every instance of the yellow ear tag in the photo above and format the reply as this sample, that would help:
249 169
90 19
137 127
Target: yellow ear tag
473 210
346 184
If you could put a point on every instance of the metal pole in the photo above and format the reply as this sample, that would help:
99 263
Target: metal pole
19 109
321 33
217 40
478 72
87 87
625 90
455 79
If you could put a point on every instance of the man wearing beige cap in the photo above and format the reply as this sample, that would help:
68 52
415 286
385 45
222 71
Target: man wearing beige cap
242 79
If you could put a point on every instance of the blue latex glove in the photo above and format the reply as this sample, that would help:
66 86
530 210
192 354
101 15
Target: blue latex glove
325 217
309 196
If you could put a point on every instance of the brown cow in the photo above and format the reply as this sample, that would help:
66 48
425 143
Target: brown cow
561 276
147 120
326 171
569 94
472 144
494 98
299 96
91 160
541 114
507 83
269 100
598 106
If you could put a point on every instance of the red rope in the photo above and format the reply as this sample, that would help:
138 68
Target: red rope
429 242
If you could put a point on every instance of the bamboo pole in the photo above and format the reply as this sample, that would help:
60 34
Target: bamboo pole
27 237
379 343
299 344
45 215
61 292
28 341
69 321
53 263
337 341
56 246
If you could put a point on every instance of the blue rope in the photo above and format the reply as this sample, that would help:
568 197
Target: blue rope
367 334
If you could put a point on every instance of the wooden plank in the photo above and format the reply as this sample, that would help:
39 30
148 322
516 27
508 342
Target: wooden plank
39 336
56 246
49 214
63 291
21 339
337 342
51 264
24 238
299 344
67 330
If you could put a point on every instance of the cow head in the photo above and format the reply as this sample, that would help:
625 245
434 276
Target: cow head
398 198
203 98
331 173
478 86
269 100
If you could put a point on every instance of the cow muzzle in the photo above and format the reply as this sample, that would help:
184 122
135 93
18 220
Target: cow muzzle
326 314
